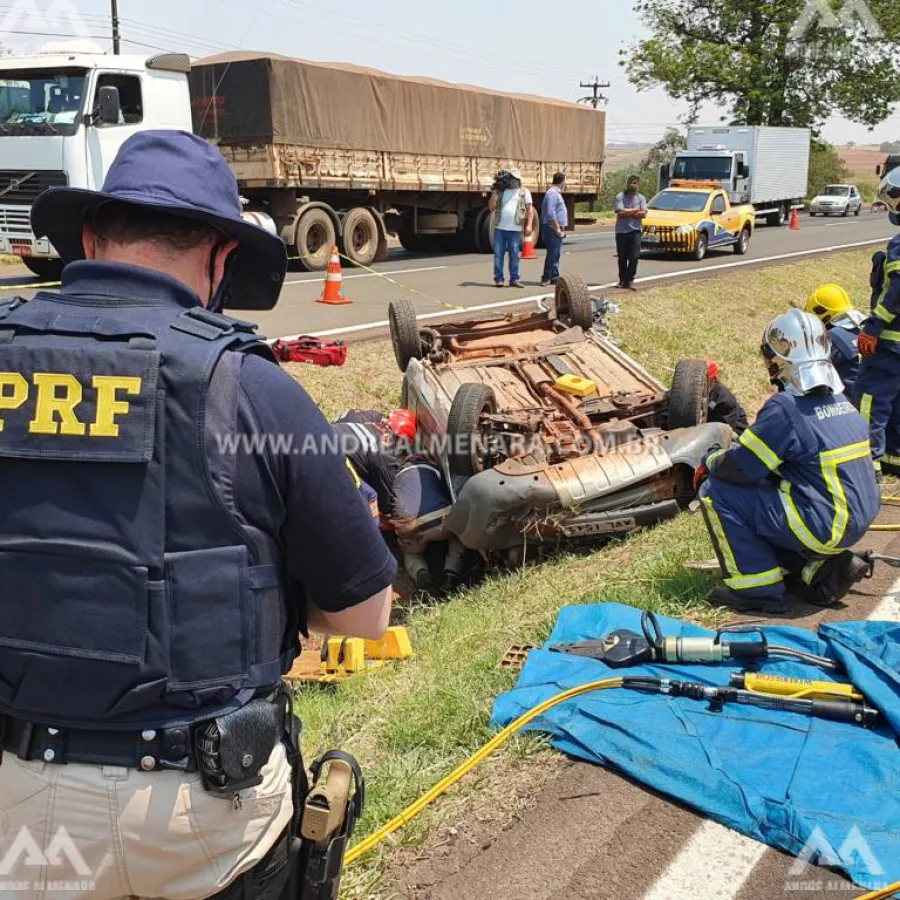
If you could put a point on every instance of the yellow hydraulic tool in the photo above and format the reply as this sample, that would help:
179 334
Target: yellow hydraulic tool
797 688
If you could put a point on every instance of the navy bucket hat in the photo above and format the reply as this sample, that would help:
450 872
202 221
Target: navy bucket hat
181 174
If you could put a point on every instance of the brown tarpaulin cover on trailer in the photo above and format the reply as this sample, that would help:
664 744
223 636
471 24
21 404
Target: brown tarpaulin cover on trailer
241 98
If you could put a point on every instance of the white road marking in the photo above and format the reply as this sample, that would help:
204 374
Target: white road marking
689 876
319 279
523 301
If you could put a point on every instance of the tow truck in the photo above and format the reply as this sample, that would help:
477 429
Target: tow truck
693 217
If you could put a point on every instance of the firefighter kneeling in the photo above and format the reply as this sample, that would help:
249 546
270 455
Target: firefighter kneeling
798 488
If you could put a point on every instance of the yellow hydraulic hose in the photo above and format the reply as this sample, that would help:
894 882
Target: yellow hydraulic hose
479 756
882 893
884 528
890 499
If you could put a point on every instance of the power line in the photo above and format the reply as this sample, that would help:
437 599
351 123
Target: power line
595 97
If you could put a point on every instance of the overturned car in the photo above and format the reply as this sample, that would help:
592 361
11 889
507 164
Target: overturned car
546 430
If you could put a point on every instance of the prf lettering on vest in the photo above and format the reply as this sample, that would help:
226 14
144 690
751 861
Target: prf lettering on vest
58 397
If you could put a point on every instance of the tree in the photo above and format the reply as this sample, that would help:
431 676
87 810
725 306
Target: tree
663 151
771 63
825 167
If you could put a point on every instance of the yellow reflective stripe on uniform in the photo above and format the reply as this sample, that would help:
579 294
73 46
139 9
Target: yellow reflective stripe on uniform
829 462
763 579
892 266
735 578
891 459
810 570
865 407
760 449
889 335
356 479
883 314
714 456
719 531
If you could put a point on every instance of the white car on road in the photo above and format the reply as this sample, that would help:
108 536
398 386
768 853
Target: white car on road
836 200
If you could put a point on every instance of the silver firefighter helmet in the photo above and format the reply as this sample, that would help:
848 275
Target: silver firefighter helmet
889 194
797 350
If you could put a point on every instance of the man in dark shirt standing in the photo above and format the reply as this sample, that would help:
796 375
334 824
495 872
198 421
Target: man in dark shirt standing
171 517
631 210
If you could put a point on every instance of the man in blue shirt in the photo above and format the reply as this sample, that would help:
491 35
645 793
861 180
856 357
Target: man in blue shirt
173 513
631 210
554 220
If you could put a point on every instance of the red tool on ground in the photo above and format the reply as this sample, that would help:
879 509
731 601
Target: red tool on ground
313 350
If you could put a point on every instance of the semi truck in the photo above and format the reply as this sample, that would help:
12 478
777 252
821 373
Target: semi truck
324 154
890 163
766 167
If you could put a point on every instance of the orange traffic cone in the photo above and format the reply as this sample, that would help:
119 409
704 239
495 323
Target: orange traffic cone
332 294
795 220
528 247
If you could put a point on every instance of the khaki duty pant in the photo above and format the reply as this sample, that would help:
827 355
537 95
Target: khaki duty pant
75 832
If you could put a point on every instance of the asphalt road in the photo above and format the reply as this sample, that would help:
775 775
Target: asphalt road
594 835
442 284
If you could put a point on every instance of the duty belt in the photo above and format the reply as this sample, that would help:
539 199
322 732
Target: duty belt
149 750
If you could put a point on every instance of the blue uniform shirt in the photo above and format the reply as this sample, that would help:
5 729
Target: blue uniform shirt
817 448
884 323
845 355
553 209
295 485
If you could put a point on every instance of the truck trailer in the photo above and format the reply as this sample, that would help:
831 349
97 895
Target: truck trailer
324 154
766 167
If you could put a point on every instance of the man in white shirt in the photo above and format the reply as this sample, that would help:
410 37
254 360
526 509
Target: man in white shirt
512 211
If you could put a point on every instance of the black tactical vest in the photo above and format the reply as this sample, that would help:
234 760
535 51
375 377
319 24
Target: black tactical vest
130 594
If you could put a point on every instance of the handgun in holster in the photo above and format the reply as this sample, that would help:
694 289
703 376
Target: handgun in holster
329 815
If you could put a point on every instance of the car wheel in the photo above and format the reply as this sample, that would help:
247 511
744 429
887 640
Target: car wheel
858 210
743 242
846 211
689 394
812 215
404 332
574 306
467 446
701 247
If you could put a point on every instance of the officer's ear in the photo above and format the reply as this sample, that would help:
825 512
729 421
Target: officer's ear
89 242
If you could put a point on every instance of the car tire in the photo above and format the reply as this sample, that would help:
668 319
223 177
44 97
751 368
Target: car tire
573 303
702 247
404 332
465 440
858 210
743 242
846 211
812 215
45 269
689 394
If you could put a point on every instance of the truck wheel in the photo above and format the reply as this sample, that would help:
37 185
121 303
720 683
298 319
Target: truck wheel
316 236
359 236
538 240
743 242
689 395
404 332
467 449
701 247
483 232
574 306
779 218
45 269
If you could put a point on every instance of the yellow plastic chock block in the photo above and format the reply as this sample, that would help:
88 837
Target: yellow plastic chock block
394 644
575 384
344 654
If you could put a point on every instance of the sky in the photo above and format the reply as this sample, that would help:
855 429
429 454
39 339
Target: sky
529 46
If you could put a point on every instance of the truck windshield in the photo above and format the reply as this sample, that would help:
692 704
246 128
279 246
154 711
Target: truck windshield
835 190
679 201
33 102
703 168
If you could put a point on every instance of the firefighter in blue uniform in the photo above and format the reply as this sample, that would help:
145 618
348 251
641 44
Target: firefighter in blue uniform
832 304
798 488
877 391
158 555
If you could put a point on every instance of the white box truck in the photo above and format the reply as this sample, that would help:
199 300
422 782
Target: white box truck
766 167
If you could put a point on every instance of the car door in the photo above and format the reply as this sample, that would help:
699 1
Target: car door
855 199
722 216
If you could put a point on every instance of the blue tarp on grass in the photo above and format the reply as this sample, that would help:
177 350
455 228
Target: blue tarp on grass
782 778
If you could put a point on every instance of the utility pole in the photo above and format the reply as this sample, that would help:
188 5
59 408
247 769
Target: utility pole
115 25
596 97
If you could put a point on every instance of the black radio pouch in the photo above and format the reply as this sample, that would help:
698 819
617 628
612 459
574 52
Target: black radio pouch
232 749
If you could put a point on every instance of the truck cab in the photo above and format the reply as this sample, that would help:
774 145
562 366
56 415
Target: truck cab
728 169
63 118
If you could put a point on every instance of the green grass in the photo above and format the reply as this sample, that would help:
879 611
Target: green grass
411 723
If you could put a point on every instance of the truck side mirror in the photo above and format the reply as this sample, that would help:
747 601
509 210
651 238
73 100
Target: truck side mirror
878 170
745 170
109 105
665 175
